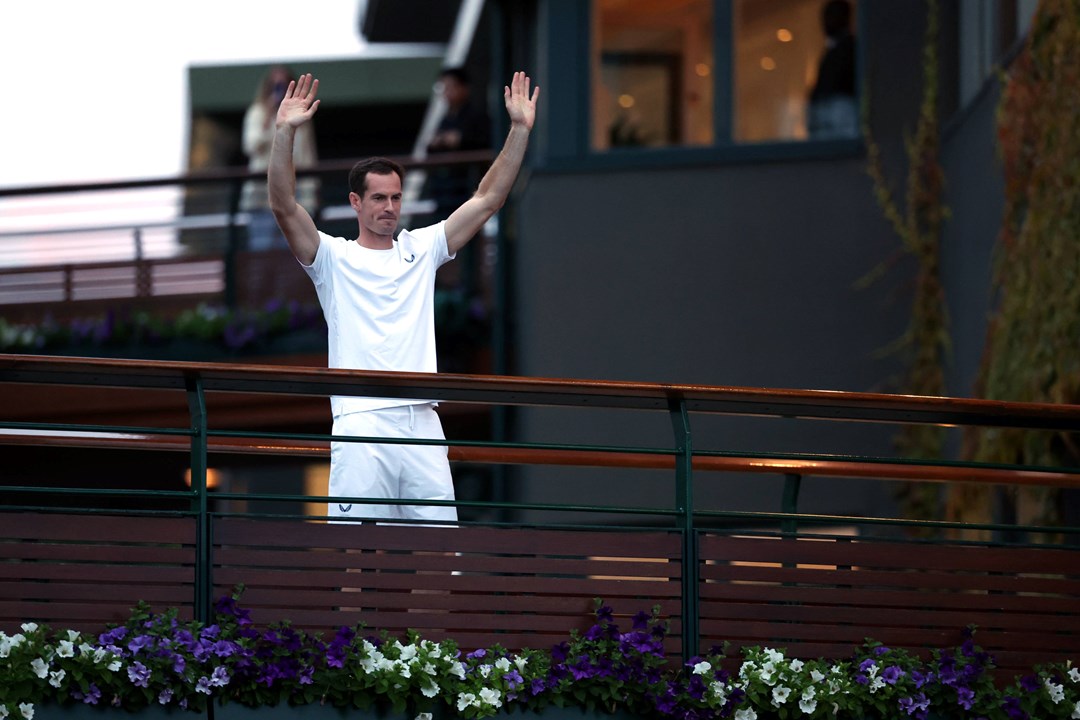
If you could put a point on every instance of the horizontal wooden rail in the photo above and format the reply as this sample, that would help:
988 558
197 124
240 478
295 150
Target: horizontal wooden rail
507 390
578 458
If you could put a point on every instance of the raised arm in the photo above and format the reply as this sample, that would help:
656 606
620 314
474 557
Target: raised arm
297 108
495 186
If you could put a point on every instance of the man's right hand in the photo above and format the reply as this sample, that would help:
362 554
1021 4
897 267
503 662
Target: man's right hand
299 104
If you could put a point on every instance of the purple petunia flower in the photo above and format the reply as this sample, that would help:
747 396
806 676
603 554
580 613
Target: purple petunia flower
91 697
916 706
892 674
965 697
1012 708
224 648
139 674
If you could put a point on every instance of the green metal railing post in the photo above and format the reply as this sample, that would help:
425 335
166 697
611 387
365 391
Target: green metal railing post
790 503
684 504
199 503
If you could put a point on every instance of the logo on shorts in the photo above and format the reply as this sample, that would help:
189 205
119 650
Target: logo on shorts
345 508
410 258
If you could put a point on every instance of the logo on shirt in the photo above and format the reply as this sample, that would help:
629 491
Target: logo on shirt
410 258
345 508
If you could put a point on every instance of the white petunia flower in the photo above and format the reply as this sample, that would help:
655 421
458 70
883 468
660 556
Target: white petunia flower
430 690
114 666
745 714
1057 692
816 675
29 627
3 712
1076 712
702 667
485 670
796 665
74 635
521 662
491 696
458 670
808 705
465 700
423 716
719 690
1074 675
876 684
502 664
66 649
40 667
774 656
780 695
27 709
57 677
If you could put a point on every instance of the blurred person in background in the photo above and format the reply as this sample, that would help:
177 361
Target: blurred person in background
465 126
257 140
833 110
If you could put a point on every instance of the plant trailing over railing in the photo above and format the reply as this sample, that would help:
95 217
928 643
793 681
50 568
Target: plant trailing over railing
919 226
159 660
1032 351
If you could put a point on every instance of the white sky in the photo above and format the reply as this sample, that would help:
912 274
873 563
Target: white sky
97 89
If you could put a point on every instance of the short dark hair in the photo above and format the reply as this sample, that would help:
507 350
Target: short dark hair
836 17
378 166
458 73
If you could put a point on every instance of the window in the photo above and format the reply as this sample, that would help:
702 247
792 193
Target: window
792 81
782 77
652 65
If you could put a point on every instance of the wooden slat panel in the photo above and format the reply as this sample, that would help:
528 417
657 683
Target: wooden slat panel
717 593
501 585
465 563
830 596
83 571
259 533
97 529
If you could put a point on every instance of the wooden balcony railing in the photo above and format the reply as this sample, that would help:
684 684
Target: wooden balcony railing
782 578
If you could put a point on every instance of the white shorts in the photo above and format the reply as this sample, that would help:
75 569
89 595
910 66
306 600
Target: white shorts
363 469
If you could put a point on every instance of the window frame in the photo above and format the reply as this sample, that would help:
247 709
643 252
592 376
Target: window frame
568 45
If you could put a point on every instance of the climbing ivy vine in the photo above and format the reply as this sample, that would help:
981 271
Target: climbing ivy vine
1032 351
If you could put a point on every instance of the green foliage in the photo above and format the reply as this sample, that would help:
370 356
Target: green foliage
161 659
1032 352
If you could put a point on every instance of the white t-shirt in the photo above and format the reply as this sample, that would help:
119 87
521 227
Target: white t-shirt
379 306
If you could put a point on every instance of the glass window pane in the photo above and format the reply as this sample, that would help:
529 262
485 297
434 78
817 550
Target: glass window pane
793 79
652 78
